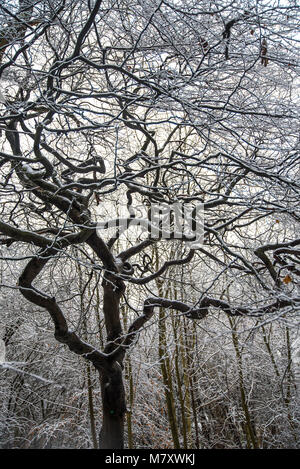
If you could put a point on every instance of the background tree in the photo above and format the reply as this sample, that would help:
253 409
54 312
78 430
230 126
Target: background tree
112 106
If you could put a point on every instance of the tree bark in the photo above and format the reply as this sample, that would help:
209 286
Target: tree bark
114 409
112 387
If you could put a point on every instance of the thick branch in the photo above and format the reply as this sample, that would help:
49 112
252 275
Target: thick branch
62 333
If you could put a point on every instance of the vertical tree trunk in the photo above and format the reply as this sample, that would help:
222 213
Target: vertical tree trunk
129 377
249 427
91 406
180 382
189 348
112 387
167 379
114 409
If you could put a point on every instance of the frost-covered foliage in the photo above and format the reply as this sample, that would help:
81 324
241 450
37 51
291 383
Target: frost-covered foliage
46 403
108 110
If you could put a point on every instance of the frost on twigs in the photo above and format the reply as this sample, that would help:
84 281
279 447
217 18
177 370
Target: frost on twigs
2 351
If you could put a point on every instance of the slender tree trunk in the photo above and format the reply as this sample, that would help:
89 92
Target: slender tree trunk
180 382
249 427
131 401
189 347
167 379
91 406
165 366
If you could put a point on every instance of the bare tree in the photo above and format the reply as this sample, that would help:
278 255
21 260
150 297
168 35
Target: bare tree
109 105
